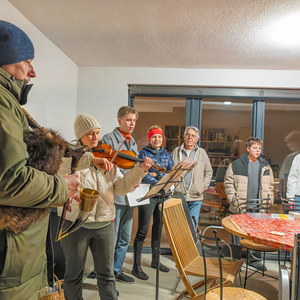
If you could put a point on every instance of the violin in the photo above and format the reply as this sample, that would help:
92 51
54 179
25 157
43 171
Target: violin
124 159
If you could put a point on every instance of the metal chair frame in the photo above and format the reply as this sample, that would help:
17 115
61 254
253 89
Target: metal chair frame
295 269
215 250
289 205
256 206
289 285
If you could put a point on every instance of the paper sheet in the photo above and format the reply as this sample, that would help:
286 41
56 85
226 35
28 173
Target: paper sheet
135 196
171 178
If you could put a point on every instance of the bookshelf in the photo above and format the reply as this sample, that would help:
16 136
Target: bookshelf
218 143
174 136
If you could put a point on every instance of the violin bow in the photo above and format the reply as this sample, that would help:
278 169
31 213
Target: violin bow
117 152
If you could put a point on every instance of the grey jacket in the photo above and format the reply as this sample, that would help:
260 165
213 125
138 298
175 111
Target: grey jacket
114 139
201 174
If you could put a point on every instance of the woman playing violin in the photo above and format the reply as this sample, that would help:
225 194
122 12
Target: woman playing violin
99 230
160 156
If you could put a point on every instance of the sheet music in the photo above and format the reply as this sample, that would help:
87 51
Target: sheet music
136 196
172 178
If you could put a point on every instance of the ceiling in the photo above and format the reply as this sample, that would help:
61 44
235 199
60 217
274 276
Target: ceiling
202 34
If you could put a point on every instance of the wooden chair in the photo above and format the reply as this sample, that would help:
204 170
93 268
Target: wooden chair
211 246
220 189
256 206
187 258
212 201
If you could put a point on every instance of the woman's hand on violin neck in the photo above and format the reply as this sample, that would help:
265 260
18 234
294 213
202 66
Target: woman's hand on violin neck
102 163
147 164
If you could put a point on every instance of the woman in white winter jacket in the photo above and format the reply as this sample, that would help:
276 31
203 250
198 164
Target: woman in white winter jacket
99 230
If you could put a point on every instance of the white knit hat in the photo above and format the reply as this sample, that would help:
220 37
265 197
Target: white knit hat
83 124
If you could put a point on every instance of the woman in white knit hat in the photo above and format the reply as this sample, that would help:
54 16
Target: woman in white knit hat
99 230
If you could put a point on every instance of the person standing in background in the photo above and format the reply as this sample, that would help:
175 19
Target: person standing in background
249 177
127 117
293 142
198 180
293 181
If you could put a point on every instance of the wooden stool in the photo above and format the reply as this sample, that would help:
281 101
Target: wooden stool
231 293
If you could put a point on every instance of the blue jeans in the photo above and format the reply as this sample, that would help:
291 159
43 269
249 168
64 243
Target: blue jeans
123 222
194 209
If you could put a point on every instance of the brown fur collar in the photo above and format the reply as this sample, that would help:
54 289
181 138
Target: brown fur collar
46 149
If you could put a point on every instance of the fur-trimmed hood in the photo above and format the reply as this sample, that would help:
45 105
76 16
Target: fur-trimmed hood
46 149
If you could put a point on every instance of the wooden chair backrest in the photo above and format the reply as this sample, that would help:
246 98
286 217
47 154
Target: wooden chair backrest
180 238
178 232
220 189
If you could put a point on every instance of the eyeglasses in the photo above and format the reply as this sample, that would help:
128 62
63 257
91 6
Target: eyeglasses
191 135
256 148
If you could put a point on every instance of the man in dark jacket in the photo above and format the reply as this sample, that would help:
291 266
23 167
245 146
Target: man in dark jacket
22 188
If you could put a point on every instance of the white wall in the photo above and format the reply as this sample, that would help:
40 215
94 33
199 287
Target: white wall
52 100
101 91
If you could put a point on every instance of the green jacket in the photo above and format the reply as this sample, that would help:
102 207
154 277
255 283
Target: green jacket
23 260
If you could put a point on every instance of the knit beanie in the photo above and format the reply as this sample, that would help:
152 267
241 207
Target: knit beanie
15 45
83 124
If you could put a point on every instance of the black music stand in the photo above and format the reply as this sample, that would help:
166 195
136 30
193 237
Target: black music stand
174 177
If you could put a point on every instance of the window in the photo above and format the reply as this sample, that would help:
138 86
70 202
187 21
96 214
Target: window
168 113
224 131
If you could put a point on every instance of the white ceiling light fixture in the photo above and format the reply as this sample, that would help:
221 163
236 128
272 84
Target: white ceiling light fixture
227 103
286 30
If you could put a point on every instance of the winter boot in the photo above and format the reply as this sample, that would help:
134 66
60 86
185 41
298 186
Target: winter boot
155 257
137 255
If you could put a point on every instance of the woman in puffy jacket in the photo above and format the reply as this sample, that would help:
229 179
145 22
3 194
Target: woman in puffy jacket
98 232
159 155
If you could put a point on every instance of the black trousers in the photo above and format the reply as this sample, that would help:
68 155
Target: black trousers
144 217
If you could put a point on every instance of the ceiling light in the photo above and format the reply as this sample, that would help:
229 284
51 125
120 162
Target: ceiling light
286 30
227 103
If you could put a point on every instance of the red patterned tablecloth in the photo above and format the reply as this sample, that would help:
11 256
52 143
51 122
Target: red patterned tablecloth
259 230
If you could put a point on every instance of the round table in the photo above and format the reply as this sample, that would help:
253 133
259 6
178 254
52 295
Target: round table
231 226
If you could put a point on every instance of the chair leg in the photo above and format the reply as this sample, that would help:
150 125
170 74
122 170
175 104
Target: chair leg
176 285
278 252
246 268
264 261
285 258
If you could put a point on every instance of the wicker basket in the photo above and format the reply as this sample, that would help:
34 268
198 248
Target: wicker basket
59 295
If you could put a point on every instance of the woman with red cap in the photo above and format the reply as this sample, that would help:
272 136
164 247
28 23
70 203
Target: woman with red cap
159 155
